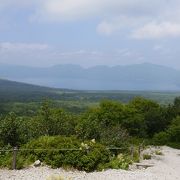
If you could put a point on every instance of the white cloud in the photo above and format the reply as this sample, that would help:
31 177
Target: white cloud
105 28
37 54
112 14
63 10
78 54
157 30
116 24
112 26
142 18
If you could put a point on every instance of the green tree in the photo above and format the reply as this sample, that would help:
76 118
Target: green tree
88 126
174 130
143 105
176 106
103 123
114 136
53 121
9 130
154 115
135 124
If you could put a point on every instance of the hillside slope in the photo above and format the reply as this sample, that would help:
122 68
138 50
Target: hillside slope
11 91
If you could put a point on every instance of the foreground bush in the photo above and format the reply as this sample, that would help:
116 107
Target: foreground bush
174 130
82 156
161 138
119 162
171 136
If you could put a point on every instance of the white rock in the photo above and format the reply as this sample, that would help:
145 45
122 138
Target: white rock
37 163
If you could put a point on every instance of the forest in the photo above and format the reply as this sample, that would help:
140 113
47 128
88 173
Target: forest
96 138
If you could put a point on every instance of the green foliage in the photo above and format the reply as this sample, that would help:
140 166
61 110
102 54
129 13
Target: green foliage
146 156
112 124
88 126
53 151
134 123
171 136
20 92
115 136
161 138
174 130
176 106
119 162
6 156
9 130
6 161
155 121
52 121
153 114
104 124
159 153
143 105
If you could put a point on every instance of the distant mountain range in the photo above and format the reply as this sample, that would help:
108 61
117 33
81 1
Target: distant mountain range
132 77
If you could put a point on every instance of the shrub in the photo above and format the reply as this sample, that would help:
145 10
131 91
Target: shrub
161 138
115 136
119 162
9 130
146 156
6 157
174 130
159 153
83 156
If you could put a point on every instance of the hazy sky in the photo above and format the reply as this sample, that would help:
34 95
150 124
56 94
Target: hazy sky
90 32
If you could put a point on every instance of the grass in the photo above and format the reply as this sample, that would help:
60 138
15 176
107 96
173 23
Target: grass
159 153
146 156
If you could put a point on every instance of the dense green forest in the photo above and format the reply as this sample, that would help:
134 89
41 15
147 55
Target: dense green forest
92 133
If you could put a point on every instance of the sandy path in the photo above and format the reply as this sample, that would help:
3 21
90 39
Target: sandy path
166 167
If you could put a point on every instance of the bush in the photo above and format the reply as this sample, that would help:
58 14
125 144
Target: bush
119 162
9 130
174 145
174 130
171 136
159 153
161 138
85 156
146 156
6 156
115 136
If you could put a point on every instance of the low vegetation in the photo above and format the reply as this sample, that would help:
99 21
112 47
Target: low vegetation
146 156
89 140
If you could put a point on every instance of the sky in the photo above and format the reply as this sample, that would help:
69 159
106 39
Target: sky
90 32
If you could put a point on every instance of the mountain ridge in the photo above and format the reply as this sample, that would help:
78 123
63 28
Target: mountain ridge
143 76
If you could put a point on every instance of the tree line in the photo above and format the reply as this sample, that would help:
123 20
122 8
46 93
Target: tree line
109 123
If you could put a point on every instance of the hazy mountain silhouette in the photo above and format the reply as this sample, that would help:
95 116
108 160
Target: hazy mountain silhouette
132 77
